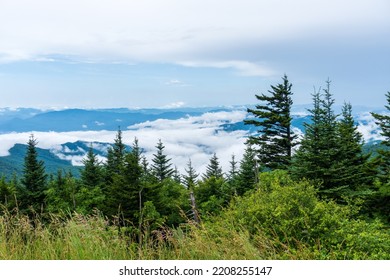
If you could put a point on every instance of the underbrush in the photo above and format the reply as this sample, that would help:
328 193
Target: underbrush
282 219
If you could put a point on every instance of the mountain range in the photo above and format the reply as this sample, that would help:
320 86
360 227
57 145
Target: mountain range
173 124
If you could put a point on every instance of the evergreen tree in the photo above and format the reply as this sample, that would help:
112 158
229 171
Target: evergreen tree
380 200
161 166
115 157
190 177
275 139
213 169
383 121
190 181
233 176
331 152
63 194
34 178
91 174
7 194
248 171
319 151
352 166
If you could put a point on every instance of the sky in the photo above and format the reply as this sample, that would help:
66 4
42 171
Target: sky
175 53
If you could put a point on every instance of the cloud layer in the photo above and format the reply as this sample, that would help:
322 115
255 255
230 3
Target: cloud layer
192 137
193 32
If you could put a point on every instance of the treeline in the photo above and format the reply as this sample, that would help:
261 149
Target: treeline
132 192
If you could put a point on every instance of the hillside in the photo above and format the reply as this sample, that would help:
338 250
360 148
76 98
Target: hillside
13 163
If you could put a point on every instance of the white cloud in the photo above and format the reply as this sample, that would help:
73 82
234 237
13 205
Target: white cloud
175 82
174 30
174 105
192 137
244 68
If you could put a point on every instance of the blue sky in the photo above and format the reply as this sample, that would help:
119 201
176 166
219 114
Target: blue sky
172 53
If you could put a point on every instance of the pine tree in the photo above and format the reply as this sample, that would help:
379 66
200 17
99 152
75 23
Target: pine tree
34 178
161 167
213 169
275 139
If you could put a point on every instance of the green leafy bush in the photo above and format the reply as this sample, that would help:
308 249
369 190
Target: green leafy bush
290 214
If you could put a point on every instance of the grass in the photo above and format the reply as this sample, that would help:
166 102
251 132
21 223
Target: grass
92 237
80 237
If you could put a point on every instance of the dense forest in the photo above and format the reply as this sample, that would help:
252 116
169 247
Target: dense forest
320 196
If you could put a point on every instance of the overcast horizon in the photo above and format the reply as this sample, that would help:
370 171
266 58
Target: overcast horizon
171 53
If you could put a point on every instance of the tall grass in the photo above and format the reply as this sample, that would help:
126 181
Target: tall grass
91 237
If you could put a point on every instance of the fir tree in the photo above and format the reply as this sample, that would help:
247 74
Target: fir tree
34 177
233 176
383 121
91 174
213 169
380 200
161 166
275 139
248 171
190 177
115 157
352 166
319 151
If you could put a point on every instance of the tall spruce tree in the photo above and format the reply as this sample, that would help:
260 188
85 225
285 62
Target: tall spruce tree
320 146
34 178
115 157
352 166
161 167
275 139
331 151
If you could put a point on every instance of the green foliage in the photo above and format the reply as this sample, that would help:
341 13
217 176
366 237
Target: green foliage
213 169
275 138
34 178
331 152
161 168
290 214
248 171
211 195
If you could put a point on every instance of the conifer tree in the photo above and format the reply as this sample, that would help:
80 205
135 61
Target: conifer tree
190 177
351 167
248 170
91 174
190 183
233 176
161 167
380 200
272 117
34 178
115 157
383 121
320 147
213 169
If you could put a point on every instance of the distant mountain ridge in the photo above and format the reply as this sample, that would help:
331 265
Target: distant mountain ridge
69 155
